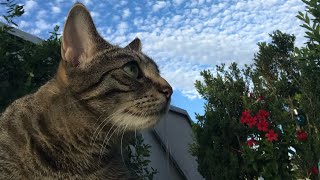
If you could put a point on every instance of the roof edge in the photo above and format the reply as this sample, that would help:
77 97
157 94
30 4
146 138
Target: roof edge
21 34
180 111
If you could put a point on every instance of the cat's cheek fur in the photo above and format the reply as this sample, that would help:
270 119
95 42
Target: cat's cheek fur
134 122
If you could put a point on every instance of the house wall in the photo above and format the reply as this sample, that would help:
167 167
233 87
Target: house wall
160 159
175 134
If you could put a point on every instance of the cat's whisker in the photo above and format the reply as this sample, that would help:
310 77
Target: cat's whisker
135 136
105 121
124 130
101 126
104 144
96 121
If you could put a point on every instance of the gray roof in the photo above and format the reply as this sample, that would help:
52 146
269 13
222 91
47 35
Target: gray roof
23 35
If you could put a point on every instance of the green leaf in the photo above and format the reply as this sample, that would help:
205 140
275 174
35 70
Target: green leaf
307 19
307 27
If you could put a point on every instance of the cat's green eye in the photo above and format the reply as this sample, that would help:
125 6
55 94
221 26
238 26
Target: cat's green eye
132 69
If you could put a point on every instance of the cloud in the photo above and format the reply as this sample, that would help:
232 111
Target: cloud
95 14
42 14
126 13
183 37
87 2
29 6
122 27
178 2
56 9
159 5
23 24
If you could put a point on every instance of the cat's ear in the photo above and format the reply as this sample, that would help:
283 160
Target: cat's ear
80 36
135 45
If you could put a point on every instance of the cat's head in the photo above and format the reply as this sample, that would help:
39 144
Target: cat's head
119 84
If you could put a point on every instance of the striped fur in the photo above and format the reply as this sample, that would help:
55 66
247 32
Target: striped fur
71 128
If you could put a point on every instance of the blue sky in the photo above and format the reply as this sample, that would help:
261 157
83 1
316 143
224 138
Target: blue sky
183 37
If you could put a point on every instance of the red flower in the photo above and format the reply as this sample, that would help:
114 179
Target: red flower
263 114
314 170
251 142
245 116
262 125
252 121
272 136
302 135
243 120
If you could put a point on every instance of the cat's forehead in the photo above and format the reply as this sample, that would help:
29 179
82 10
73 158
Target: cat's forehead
148 62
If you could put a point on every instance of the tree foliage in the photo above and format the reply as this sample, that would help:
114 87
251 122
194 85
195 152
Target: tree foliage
263 120
137 158
25 66
218 133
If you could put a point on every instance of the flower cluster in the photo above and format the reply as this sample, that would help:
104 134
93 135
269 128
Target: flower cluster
251 142
260 121
272 136
314 170
302 135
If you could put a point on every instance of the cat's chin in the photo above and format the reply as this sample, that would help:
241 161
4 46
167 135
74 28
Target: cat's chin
137 122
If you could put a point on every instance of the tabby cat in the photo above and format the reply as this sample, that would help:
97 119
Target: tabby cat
72 127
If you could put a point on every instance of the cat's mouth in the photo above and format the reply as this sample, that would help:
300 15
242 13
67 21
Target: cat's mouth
147 113
141 118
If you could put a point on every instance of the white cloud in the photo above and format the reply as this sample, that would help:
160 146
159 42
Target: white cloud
188 36
137 9
122 27
178 2
43 25
29 6
56 9
95 14
87 2
126 13
122 3
159 5
23 24
176 18
42 14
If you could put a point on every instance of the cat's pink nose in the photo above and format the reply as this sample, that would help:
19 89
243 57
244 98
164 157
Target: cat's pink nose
167 91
